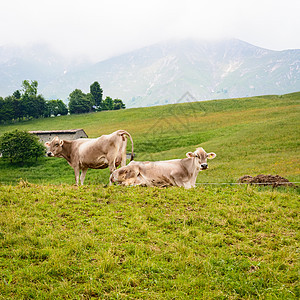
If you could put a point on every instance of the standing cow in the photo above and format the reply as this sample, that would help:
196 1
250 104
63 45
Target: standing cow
100 153
176 172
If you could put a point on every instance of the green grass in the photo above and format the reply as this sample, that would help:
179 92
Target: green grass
249 135
229 242
59 241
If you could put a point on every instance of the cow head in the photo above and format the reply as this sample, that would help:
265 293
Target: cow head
201 157
55 147
125 175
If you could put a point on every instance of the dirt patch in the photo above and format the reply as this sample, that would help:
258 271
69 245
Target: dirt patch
274 180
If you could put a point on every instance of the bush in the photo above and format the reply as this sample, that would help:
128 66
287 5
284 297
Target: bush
19 146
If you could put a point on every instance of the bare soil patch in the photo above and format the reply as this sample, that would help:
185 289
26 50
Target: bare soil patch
274 180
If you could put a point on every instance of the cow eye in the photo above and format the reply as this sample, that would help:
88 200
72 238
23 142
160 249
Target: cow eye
56 145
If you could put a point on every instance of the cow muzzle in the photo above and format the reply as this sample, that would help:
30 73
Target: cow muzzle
204 166
50 154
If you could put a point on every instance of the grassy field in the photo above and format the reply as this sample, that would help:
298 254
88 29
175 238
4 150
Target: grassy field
59 241
249 135
64 242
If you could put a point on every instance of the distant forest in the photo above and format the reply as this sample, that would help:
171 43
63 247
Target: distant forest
25 104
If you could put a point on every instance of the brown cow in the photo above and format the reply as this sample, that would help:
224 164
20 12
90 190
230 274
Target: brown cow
100 153
176 172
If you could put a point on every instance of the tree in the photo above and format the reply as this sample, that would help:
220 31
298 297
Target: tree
20 145
23 105
29 89
17 94
118 104
108 104
10 109
80 102
56 107
40 104
6 109
90 98
1 109
97 93
33 106
17 108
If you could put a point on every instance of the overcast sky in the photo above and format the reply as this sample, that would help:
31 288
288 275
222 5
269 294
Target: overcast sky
101 29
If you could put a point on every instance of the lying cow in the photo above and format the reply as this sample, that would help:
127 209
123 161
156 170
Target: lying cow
100 153
177 172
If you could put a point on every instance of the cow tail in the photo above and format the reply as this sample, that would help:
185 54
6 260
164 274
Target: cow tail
122 132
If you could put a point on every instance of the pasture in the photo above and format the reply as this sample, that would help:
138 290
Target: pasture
228 242
249 135
59 241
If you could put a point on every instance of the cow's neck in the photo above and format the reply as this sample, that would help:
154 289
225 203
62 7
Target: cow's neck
67 150
191 161
194 168
192 165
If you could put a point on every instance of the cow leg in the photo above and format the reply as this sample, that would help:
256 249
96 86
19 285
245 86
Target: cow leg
123 162
112 166
76 171
187 185
82 176
176 179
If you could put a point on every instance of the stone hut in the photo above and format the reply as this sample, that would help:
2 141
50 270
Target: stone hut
70 134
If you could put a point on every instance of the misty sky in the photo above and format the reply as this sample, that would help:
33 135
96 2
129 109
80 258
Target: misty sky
101 29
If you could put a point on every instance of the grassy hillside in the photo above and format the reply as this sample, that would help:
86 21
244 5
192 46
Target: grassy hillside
59 241
249 135
64 242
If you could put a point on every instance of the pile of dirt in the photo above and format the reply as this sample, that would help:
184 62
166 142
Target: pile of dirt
274 180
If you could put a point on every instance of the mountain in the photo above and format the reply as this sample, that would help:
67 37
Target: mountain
38 62
164 72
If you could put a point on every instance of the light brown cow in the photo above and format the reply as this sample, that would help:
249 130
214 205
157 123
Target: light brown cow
100 153
177 172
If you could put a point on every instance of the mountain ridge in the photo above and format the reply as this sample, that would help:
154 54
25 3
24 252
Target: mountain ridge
163 72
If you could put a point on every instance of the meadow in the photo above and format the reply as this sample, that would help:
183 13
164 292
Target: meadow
59 241
249 135
228 242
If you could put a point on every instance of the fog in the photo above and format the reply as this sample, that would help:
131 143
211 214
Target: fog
102 29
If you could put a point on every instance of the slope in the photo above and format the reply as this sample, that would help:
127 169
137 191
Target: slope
249 135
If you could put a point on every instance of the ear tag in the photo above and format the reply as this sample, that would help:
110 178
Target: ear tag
211 156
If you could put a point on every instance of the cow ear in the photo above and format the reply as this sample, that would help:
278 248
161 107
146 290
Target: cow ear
128 174
211 155
47 144
61 143
190 154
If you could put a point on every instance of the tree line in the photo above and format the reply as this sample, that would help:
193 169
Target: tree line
26 103
80 102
